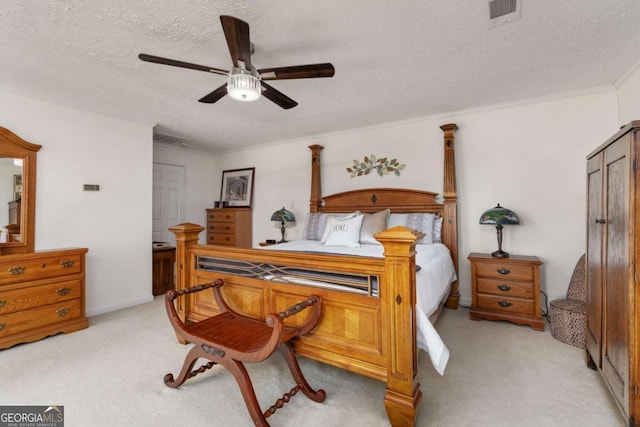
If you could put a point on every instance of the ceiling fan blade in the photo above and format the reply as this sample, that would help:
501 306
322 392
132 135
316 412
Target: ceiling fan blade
236 32
215 95
297 72
175 63
277 97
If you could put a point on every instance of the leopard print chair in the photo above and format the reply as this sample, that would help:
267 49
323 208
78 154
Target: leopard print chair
567 316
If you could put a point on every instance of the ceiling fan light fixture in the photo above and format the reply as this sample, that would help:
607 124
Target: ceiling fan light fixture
243 86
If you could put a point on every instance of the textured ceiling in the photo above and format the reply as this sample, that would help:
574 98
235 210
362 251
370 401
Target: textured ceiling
394 59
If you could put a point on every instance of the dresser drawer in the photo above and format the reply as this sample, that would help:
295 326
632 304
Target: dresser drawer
505 288
38 317
220 216
38 296
40 268
221 227
221 239
505 271
508 305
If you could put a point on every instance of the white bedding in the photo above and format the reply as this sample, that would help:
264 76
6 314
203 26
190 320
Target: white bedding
436 274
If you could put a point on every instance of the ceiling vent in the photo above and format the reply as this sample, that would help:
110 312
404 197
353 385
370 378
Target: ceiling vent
167 138
503 11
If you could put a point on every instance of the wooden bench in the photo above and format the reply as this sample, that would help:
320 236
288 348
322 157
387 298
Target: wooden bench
230 339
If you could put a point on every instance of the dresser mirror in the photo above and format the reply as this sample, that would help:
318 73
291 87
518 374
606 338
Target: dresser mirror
17 193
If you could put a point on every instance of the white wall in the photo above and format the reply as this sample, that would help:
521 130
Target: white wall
202 180
629 96
530 157
114 223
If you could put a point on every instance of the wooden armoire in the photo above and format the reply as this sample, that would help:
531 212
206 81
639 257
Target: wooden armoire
613 249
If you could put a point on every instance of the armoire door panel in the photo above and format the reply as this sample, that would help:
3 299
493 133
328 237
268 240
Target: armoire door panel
594 258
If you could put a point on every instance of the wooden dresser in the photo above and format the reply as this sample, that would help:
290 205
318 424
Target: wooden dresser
613 294
506 289
229 227
41 294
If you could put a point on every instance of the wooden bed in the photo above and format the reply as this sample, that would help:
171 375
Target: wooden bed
373 335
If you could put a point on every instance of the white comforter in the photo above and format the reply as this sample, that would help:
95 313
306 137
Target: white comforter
432 281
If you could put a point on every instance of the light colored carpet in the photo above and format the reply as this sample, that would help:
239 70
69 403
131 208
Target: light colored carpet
110 374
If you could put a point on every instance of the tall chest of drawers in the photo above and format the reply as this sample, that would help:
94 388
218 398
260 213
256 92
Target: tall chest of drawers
506 289
41 294
229 227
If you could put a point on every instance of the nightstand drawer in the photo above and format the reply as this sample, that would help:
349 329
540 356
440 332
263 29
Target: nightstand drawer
508 305
505 288
505 271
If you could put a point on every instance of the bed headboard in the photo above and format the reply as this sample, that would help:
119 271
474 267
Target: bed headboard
399 200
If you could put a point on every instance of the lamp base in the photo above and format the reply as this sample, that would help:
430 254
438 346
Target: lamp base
500 254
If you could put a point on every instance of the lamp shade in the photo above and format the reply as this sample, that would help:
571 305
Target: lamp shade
283 215
499 215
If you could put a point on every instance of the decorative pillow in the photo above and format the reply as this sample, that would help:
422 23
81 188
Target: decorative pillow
437 230
344 232
419 221
325 232
372 224
316 223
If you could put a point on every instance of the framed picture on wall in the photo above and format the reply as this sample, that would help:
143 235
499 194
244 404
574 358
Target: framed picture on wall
237 187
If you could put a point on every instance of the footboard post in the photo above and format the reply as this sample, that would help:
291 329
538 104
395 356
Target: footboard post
186 236
398 302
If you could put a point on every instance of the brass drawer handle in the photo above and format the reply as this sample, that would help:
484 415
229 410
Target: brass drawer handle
504 288
17 270
63 291
3 303
504 303
67 263
503 271
63 311
2 326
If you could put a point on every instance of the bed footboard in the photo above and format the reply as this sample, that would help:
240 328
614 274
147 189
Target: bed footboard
368 320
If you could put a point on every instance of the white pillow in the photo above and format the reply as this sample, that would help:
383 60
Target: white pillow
325 231
372 224
418 221
343 232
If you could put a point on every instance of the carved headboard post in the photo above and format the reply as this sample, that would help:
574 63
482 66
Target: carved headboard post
316 196
450 229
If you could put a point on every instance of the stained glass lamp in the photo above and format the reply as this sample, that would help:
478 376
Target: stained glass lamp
499 216
283 215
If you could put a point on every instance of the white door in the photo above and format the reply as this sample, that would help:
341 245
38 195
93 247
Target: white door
168 200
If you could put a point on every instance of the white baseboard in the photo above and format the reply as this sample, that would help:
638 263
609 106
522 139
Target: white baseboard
103 310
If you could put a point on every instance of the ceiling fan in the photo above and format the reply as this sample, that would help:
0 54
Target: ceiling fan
244 81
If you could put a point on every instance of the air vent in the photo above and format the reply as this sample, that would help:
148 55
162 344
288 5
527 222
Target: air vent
167 138
503 11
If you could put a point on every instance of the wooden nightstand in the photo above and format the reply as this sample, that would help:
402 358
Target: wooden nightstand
506 289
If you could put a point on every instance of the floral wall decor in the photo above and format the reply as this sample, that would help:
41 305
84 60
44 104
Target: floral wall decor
382 166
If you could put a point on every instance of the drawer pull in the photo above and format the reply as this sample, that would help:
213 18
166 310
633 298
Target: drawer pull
504 288
17 270
67 263
2 326
63 311
63 291
504 303
3 302
503 271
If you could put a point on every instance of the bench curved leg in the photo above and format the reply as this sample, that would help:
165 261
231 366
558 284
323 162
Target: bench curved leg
248 394
287 351
187 368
